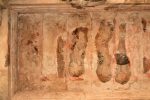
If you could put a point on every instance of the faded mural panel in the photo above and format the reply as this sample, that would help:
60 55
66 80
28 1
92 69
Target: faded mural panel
78 51
72 51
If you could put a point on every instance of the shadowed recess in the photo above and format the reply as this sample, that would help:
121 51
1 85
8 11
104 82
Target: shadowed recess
79 44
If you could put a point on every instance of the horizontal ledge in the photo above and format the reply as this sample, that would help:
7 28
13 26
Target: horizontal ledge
64 6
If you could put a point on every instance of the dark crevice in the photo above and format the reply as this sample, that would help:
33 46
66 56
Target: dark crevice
100 58
29 42
73 46
122 59
144 23
36 50
60 57
146 64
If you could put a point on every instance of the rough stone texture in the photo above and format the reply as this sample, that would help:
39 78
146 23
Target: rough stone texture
62 1
127 1
146 64
60 58
135 1
3 3
104 59
29 50
116 1
146 40
53 27
137 47
0 15
33 1
103 95
123 69
3 54
103 36
78 47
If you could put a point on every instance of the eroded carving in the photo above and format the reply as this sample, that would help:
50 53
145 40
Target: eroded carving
104 59
123 70
146 64
79 43
80 4
144 24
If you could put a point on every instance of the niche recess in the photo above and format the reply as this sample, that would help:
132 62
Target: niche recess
77 55
104 59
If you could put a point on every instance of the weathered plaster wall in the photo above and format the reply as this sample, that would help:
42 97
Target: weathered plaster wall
116 1
3 53
60 1
104 32
4 36
33 1
127 1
